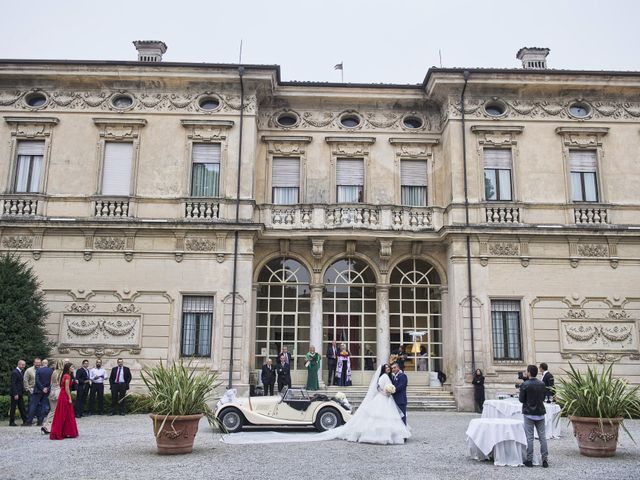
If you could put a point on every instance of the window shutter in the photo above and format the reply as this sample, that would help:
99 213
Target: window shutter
206 153
582 160
498 158
286 172
30 148
350 172
413 173
116 175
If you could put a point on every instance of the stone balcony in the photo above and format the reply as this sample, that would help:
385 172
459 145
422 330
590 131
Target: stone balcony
346 216
22 206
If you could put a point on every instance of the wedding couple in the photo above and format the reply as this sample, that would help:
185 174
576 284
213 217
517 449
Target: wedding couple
380 419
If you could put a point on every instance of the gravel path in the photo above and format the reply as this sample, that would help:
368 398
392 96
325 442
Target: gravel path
123 448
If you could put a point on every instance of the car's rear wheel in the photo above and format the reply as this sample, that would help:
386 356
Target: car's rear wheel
327 419
232 420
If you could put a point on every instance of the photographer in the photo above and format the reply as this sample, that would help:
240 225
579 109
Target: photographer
532 393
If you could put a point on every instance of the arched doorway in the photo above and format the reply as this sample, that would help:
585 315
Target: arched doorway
415 307
282 312
349 312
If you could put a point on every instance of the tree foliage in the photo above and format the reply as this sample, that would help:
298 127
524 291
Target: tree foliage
22 316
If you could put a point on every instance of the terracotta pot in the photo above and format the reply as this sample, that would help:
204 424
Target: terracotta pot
593 440
178 432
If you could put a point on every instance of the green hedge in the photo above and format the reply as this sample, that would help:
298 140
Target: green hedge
134 403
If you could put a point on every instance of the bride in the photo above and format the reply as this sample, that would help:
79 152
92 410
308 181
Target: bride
377 420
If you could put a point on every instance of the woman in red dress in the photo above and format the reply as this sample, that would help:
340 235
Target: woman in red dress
64 419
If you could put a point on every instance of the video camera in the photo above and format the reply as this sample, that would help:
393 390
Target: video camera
520 377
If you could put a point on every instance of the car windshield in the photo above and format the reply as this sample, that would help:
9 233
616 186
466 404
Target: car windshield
295 395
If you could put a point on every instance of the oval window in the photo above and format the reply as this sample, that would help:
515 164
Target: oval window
579 110
122 101
36 100
287 120
412 122
495 109
350 121
209 103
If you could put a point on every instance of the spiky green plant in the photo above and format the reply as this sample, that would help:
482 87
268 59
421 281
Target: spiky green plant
597 395
180 389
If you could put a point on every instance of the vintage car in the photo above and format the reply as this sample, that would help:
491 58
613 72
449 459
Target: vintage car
293 407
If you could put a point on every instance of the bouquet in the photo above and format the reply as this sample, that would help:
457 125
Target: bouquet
390 389
344 353
340 396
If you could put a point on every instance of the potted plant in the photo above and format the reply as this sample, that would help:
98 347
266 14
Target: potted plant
596 403
178 397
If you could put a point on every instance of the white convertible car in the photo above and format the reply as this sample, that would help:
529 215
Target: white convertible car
293 407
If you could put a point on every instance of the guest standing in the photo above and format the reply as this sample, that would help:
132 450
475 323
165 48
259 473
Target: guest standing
343 369
16 391
284 375
54 395
268 377
332 360
64 420
84 384
39 402
29 382
369 358
532 393
547 379
399 357
97 376
287 355
119 383
312 362
478 390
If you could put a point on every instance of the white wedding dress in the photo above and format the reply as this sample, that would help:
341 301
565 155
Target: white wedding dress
378 420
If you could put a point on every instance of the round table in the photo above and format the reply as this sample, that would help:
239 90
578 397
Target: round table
502 438
512 408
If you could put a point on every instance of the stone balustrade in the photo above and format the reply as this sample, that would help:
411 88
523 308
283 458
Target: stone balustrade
590 216
502 214
111 208
202 209
20 207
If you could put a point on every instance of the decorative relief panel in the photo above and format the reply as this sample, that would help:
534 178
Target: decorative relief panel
109 243
100 332
199 244
16 242
506 249
186 101
593 250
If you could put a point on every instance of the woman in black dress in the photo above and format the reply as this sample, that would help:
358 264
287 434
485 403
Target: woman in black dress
478 390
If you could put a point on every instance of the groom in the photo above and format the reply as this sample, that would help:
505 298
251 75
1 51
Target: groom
400 397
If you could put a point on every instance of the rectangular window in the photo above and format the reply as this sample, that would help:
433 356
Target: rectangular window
349 181
505 317
497 174
29 167
584 182
205 176
116 172
413 182
197 323
285 181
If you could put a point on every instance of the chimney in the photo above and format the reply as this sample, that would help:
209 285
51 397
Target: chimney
150 51
533 58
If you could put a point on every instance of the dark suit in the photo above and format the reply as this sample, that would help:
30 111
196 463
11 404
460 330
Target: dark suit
119 387
287 354
284 376
549 382
332 361
17 388
39 401
82 376
400 381
268 378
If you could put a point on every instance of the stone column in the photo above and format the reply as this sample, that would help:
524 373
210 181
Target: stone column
382 324
315 331
448 346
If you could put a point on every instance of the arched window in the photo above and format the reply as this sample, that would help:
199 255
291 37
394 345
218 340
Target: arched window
349 310
415 315
282 316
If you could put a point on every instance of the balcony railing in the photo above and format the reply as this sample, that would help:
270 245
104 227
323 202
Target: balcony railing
20 207
111 208
201 209
355 216
590 216
502 214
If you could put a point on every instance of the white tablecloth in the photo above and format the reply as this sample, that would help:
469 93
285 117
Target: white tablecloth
502 437
512 408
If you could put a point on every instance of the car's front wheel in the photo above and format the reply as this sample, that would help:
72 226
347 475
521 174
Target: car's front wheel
232 420
327 419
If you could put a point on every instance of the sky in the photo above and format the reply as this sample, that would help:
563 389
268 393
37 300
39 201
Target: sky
377 41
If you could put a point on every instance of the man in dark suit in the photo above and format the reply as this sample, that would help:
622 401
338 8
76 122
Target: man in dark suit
39 401
400 381
84 384
16 391
532 393
287 355
268 377
284 374
119 383
547 379
332 361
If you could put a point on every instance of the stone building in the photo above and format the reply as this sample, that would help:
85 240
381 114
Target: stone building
486 219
